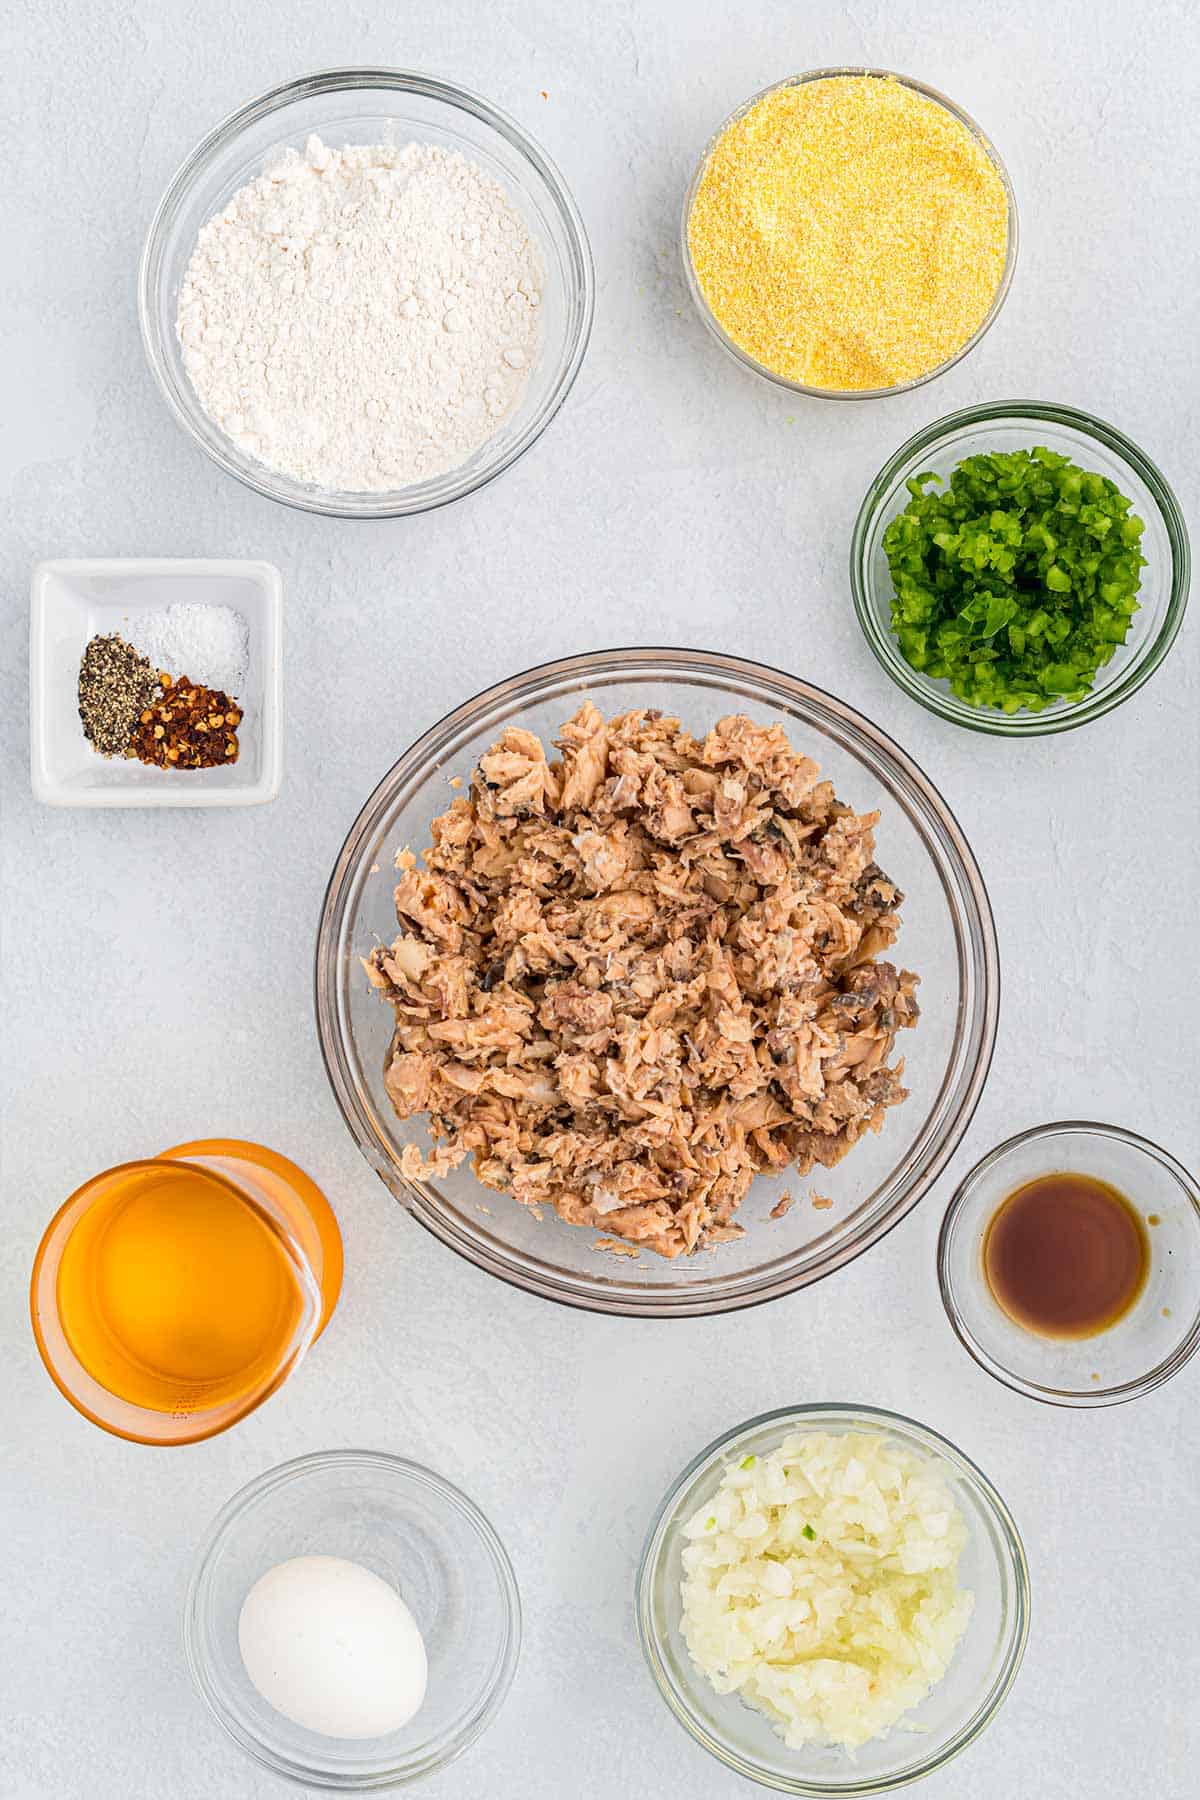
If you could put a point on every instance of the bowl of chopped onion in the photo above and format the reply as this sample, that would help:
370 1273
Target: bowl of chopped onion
833 1600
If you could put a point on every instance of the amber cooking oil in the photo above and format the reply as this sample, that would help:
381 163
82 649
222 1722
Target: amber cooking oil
174 1293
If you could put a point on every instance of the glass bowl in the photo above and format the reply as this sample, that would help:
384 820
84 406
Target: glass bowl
371 106
948 937
1160 1331
1024 425
983 1669
416 1531
799 387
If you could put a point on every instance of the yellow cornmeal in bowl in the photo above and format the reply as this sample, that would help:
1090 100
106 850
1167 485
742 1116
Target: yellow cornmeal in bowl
849 232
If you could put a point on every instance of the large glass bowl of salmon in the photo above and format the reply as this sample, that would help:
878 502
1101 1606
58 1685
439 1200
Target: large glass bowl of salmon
947 937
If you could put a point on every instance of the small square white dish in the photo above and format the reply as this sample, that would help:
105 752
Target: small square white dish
74 601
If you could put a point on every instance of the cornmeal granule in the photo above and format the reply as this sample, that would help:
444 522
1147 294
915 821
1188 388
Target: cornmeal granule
849 232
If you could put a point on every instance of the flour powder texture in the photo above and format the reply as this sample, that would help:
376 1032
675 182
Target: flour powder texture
365 318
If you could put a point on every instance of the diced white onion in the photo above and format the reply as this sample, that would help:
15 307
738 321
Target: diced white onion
821 1584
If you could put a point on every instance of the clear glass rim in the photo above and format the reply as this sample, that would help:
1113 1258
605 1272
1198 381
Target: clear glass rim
225 1524
399 502
927 1439
943 839
127 1419
799 387
1121 1392
947 705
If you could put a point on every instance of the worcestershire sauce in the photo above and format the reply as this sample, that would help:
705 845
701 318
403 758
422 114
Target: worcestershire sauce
1066 1256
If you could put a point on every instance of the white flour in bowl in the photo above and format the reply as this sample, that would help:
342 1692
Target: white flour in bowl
363 318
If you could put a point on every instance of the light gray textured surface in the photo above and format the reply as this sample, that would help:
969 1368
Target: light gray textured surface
157 966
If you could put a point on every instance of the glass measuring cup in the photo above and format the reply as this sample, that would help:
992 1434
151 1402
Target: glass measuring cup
171 1296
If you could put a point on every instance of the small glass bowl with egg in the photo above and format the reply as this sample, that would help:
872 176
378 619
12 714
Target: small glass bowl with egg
398 1573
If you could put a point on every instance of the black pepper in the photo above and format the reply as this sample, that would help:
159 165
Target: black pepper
116 685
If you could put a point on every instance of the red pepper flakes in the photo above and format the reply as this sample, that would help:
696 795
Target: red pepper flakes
190 727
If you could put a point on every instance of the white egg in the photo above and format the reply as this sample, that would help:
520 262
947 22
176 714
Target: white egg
333 1647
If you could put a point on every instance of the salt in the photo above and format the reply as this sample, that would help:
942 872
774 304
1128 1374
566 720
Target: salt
211 644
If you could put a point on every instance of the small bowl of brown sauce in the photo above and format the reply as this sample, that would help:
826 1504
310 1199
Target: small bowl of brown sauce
1069 1264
